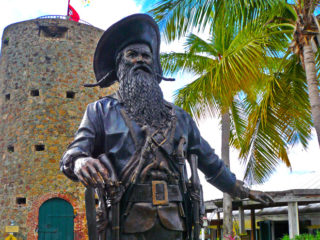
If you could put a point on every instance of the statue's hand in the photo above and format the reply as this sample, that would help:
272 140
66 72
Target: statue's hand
90 171
259 196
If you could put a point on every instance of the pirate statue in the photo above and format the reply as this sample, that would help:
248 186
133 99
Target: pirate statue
133 147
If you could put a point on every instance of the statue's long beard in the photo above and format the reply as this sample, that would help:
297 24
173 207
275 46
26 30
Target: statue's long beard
142 97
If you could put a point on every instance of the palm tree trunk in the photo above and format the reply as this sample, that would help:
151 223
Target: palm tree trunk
313 87
225 149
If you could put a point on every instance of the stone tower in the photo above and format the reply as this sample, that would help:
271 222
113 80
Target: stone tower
43 65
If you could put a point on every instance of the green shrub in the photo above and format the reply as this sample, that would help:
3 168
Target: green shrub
304 237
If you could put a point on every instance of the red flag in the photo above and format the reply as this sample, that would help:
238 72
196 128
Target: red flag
72 13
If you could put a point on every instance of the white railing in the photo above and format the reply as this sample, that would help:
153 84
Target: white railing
64 17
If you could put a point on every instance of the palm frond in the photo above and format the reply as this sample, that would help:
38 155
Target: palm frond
197 98
263 147
177 17
282 117
172 63
238 122
195 44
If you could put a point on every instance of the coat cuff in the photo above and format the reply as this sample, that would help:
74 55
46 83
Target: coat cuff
240 190
67 162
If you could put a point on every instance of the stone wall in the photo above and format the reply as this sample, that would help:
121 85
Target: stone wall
43 65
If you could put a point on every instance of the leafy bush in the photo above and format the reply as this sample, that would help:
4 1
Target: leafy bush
304 237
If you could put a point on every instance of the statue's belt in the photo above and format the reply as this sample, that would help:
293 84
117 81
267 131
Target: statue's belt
156 192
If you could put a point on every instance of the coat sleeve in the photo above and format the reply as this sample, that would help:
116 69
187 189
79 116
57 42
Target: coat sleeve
85 143
216 172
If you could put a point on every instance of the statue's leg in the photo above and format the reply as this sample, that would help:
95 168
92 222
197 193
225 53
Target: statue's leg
157 232
132 236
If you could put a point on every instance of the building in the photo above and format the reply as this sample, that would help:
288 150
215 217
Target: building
294 211
44 63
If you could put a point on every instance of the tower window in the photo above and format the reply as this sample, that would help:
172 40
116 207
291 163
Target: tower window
10 148
6 41
70 94
21 200
53 31
39 147
34 93
7 96
48 59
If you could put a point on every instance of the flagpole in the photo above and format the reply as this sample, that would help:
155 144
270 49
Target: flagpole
68 7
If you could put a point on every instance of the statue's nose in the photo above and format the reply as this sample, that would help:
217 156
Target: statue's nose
140 59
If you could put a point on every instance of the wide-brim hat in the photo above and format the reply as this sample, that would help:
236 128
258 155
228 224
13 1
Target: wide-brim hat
137 28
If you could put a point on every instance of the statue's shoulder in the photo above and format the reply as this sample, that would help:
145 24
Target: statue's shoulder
179 111
104 103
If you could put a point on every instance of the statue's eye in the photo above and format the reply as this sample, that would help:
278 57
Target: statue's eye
146 56
131 54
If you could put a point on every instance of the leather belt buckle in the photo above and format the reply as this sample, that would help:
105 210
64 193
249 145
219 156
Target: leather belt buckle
159 193
158 138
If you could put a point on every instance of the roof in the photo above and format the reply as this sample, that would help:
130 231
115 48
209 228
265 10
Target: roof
309 208
280 198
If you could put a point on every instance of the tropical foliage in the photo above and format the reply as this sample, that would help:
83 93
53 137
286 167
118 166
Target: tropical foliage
304 237
178 18
244 73
227 79
305 43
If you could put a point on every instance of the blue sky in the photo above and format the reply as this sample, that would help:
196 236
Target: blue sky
103 13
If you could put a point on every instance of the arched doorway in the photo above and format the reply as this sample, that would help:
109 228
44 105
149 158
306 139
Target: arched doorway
56 220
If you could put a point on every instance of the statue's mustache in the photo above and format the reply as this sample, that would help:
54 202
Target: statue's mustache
142 66
150 70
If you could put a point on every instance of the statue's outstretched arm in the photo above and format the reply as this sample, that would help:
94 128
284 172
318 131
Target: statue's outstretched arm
216 172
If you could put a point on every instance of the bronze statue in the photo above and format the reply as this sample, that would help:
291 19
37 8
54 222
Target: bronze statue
132 147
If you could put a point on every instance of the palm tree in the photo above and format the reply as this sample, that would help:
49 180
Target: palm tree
305 44
228 83
218 81
224 69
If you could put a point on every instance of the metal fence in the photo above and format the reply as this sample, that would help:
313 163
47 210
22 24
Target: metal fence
64 17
